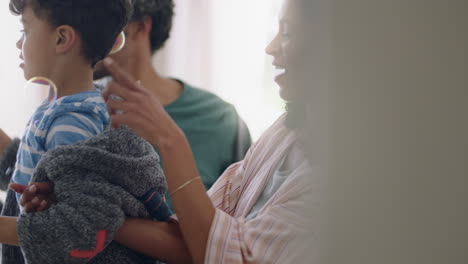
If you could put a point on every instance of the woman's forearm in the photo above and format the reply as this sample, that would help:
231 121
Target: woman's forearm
142 111
8 231
194 208
159 240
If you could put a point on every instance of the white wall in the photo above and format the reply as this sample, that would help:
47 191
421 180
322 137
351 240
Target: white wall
400 154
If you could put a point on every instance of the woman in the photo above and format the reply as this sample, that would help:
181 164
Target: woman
257 211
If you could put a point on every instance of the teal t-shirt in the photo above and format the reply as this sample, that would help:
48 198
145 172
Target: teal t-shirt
210 125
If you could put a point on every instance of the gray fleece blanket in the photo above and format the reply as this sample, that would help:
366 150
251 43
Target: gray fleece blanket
96 185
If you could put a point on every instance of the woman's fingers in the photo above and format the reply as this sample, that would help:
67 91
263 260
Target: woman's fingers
28 195
116 91
36 197
118 106
19 188
132 121
130 104
44 205
44 188
37 204
120 76
34 194
125 113
121 119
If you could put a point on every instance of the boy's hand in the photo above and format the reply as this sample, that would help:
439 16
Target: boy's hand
5 140
36 197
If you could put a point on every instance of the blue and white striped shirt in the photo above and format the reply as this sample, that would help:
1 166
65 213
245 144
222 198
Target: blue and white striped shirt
68 120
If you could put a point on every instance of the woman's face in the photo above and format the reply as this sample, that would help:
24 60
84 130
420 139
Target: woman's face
286 51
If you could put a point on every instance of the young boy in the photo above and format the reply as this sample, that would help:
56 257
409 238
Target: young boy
62 41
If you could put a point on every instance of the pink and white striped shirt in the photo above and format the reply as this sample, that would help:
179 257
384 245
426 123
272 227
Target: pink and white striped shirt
279 231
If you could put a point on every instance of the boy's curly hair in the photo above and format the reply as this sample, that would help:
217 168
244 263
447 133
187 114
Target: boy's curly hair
98 22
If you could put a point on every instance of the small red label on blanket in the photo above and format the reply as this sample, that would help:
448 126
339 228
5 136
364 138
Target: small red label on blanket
88 254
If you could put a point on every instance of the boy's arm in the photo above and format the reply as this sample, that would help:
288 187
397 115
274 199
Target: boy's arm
8 231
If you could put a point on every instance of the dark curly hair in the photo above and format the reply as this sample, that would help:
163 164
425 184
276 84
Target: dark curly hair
161 13
98 22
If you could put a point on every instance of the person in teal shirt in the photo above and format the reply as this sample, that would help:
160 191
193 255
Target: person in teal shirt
217 135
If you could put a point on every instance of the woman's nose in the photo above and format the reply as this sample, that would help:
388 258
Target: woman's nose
274 47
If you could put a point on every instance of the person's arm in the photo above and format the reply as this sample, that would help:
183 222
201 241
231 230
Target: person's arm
194 208
36 197
8 231
141 111
143 235
8 152
5 141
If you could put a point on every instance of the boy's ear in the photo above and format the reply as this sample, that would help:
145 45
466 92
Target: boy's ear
66 39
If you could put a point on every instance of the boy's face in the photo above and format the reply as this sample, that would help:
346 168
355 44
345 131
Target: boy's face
36 45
